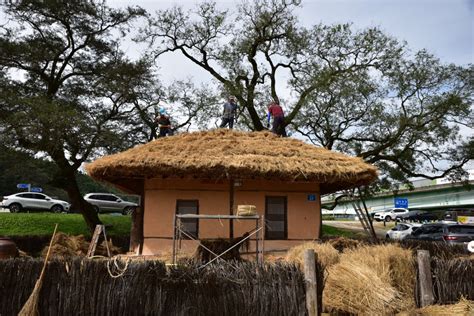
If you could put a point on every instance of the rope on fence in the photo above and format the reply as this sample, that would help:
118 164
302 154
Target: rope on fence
119 271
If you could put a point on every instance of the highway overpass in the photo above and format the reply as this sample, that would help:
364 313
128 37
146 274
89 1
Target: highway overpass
428 197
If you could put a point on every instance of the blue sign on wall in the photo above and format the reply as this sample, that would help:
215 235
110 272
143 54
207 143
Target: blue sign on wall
399 202
36 190
311 197
22 186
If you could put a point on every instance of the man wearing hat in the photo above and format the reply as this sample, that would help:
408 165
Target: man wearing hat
230 110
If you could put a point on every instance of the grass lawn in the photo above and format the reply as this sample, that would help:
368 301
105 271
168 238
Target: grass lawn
43 224
334 231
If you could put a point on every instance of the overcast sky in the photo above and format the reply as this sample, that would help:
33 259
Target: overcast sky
443 27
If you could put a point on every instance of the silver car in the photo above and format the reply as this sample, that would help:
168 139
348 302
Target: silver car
107 202
401 231
390 214
34 201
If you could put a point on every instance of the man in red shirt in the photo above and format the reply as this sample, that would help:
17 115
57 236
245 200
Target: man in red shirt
278 126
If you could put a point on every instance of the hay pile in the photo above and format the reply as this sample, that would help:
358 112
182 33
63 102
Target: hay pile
224 153
343 243
357 289
363 279
327 254
371 280
462 308
65 246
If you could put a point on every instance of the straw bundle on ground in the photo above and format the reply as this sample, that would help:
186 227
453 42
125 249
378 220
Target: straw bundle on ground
356 288
342 243
375 280
226 153
462 308
327 254
65 246
391 262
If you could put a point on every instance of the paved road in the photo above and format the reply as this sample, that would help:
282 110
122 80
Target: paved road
4 210
380 230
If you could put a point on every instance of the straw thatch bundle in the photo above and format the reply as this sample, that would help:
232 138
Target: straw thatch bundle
226 153
463 308
342 243
357 289
371 280
393 264
65 246
327 254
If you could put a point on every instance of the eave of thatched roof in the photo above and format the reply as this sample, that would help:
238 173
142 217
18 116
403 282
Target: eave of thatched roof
232 154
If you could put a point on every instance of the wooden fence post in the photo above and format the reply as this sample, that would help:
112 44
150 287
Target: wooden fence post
424 278
311 284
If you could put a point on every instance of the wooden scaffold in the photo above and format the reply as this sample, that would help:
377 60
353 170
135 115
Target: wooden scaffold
258 231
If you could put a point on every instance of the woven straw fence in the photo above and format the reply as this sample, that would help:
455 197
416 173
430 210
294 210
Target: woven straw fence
85 287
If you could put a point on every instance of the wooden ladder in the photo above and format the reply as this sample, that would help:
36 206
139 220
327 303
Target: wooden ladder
95 240
358 202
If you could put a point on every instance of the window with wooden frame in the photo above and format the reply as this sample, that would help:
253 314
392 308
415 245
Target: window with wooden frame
276 217
190 225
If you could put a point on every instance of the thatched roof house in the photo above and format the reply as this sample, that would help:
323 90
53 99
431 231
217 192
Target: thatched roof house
262 160
226 153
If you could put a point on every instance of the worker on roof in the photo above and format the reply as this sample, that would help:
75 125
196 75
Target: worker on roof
276 111
164 123
229 113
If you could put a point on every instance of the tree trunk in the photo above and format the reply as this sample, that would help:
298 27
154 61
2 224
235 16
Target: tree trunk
77 201
256 122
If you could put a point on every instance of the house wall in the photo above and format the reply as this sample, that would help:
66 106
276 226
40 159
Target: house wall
303 216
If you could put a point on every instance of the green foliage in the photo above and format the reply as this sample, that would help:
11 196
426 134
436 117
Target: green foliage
66 85
24 224
20 167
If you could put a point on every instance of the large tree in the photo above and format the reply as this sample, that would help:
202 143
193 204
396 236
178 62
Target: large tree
412 120
358 91
65 83
263 47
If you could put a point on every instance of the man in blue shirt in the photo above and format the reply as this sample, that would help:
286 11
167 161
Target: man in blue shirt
164 124
230 111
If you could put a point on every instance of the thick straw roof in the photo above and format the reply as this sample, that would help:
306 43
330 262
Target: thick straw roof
223 153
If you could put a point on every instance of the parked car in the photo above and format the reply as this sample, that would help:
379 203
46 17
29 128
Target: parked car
389 214
449 233
401 231
453 214
34 201
106 202
418 216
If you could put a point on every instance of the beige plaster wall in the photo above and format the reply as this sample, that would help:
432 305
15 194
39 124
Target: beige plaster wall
213 196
